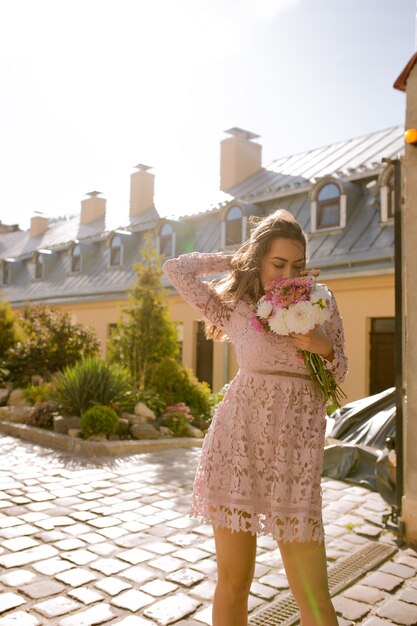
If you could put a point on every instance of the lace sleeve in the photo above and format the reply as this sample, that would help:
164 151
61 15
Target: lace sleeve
334 329
183 272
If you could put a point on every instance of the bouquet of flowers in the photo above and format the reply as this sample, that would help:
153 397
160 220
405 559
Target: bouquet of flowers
297 305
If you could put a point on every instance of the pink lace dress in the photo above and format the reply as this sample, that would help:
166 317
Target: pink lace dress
261 459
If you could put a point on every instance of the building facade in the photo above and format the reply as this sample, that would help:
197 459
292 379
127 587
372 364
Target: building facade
341 194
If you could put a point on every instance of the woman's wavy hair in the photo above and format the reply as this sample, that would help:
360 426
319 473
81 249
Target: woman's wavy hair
244 277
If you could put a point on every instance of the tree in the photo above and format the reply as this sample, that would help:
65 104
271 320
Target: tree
8 328
145 334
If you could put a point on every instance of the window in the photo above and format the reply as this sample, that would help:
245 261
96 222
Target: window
234 227
166 240
328 207
387 195
115 251
39 265
76 258
5 273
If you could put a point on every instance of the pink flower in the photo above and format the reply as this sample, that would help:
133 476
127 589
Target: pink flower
256 324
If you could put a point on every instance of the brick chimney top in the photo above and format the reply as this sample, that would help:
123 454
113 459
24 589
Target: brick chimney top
242 133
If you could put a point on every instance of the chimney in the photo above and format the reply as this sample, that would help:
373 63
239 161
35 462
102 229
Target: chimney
38 225
92 208
239 157
141 190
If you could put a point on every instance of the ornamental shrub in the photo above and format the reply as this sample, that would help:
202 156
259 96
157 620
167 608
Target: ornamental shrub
177 417
92 382
50 341
9 333
99 420
175 383
38 393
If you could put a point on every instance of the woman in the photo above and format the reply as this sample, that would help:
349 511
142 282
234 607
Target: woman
261 459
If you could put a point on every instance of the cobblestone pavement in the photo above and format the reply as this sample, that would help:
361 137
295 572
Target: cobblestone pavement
87 542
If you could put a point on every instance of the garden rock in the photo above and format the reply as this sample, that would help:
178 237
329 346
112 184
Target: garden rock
98 437
4 396
142 409
134 419
63 424
192 431
16 414
74 432
123 426
17 398
144 431
165 431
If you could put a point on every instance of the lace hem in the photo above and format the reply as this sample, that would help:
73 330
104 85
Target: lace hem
295 528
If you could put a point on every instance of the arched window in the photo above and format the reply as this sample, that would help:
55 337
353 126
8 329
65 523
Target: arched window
5 273
166 240
387 187
76 258
328 205
39 265
115 251
234 231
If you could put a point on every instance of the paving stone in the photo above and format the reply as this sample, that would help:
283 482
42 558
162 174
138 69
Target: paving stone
17 578
132 600
86 596
362 593
183 539
403 571
19 543
172 609
69 544
95 615
42 589
10 601
56 606
76 576
138 574
350 609
192 555
27 556
102 549
113 532
18 531
104 522
386 582
376 621
135 556
20 618
204 590
52 566
205 615
108 566
91 538
112 585
408 560
166 563
261 570
274 580
408 595
158 587
135 620
262 591
186 577
207 566
399 612
79 557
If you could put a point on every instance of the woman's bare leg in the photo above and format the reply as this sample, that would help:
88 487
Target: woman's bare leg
306 569
235 553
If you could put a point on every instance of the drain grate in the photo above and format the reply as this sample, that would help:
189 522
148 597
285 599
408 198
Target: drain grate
284 611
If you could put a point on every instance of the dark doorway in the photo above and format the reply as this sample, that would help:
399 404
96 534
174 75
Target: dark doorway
382 354
204 368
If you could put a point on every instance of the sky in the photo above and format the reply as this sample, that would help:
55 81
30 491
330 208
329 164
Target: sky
91 88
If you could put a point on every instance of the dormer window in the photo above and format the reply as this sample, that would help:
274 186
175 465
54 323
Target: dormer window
167 240
39 265
387 194
328 207
5 273
115 251
76 258
234 227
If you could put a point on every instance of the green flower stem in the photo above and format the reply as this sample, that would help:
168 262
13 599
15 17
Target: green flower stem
323 379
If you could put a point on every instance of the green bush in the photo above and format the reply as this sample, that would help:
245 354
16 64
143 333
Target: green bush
8 328
99 420
175 383
177 417
153 401
49 342
92 381
38 393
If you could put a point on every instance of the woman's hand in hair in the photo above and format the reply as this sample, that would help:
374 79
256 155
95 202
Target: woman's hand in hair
315 341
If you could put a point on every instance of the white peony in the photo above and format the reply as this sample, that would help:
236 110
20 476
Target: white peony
278 322
264 309
301 317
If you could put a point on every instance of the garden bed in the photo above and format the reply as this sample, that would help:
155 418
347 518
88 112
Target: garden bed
75 445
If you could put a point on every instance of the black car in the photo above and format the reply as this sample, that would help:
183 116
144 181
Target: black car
360 444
